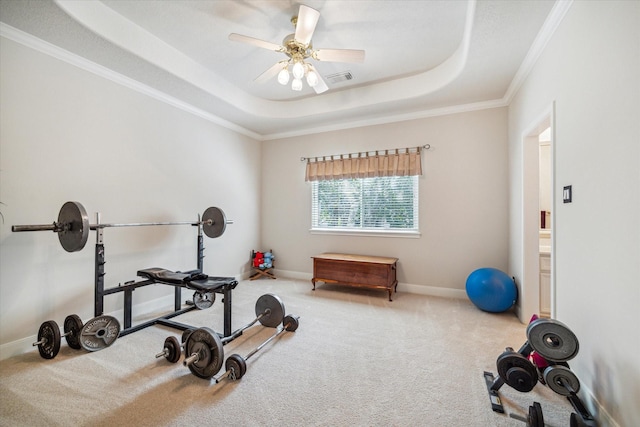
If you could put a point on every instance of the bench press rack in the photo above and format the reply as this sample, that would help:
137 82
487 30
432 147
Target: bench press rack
72 228
221 285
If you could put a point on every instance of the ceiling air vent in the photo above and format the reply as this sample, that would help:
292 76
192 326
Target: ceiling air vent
339 77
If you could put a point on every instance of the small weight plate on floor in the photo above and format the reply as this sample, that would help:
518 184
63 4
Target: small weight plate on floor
517 371
554 376
207 344
274 304
75 222
290 323
173 349
536 419
213 222
238 364
50 334
72 327
552 340
203 300
99 332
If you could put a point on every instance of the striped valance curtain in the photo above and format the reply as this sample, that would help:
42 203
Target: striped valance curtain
395 162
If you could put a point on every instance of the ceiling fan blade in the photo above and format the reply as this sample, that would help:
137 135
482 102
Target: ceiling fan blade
339 55
256 42
306 25
272 71
321 86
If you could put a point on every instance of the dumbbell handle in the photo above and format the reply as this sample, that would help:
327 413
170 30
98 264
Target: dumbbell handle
191 359
44 340
271 338
239 332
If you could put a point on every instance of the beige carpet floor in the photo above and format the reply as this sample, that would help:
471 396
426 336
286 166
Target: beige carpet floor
356 359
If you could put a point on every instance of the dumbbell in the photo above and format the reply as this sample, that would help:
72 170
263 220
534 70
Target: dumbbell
236 365
535 417
203 347
269 311
49 336
172 348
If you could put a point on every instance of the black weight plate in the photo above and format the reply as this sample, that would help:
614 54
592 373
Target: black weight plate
290 323
274 305
555 375
99 333
185 334
536 419
75 222
207 345
236 363
72 327
203 300
213 222
172 346
552 340
50 334
517 371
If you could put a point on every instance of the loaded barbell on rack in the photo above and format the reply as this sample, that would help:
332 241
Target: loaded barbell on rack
73 225
236 365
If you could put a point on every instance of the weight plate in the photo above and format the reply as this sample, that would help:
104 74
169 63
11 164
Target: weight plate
172 347
552 340
72 327
236 363
557 376
49 338
99 332
75 226
275 307
536 419
213 222
517 371
203 300
290 323
185 334
207 345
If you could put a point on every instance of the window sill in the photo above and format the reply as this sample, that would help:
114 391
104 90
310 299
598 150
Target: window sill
411 234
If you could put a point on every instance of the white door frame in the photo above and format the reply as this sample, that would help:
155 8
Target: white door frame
530 283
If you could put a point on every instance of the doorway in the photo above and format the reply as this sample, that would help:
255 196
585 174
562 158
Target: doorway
538 286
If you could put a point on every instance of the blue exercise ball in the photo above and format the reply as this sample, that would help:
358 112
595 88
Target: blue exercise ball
491 290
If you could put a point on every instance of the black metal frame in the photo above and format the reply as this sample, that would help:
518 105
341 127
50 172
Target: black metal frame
129 287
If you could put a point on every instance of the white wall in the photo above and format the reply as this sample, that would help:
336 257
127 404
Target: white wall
590 70
67 134
463 199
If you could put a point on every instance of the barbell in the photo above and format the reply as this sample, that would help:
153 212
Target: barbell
73 225
236 365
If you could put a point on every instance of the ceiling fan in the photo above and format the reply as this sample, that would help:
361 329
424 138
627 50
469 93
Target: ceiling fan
298 48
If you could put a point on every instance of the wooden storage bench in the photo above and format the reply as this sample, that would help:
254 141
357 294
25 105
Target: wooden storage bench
356 270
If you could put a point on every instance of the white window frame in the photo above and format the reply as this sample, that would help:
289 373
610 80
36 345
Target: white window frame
362 231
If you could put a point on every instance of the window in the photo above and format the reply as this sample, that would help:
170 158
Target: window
380 204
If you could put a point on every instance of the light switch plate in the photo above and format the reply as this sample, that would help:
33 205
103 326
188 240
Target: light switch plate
567 194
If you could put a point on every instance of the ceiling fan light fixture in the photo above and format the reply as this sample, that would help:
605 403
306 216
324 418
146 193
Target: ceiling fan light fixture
296 84
312 78
298 70
283 76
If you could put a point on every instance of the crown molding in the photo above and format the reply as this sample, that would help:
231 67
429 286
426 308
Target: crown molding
54 51
557 14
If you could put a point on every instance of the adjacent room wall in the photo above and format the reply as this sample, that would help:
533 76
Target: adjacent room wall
590 71
67 134
463 199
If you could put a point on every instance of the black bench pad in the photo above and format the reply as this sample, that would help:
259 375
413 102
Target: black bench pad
197 281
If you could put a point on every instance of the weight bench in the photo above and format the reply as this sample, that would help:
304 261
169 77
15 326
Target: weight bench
204 286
